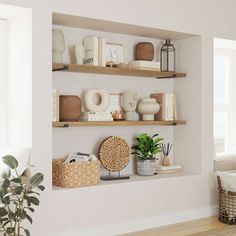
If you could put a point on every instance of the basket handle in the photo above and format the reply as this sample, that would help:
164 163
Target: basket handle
219 183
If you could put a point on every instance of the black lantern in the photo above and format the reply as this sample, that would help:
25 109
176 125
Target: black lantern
167 56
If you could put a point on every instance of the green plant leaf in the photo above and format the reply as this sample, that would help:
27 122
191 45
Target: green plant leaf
6 174
29 219
16 180
22 214
33 200
3 212
41 187
27 233
6 183
30 208
5 223
36 179
10 230
7 195
18 190
33 192
10 161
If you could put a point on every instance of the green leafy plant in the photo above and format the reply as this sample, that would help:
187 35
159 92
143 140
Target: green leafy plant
17 197
147 146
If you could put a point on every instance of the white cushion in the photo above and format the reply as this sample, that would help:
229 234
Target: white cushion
21 154
228 180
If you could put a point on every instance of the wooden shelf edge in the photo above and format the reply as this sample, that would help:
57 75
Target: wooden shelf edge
116 123
117 71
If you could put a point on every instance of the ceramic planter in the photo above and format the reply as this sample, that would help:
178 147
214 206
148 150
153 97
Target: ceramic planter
148 107
146 167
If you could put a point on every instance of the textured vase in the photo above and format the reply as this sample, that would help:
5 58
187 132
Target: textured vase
58 45
166 161
146 167
148 107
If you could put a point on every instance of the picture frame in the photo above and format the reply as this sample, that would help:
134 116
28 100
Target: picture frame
115 106
114 53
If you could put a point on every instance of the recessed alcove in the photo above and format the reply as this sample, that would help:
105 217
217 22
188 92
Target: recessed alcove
185 137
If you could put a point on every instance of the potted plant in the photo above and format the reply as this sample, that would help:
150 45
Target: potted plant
145 151
18 195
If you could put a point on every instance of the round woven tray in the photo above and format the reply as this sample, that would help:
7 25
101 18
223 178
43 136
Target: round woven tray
114 153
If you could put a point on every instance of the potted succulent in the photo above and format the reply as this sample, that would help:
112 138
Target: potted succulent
145 151
18 195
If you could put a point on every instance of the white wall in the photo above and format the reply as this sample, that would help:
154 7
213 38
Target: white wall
113 209
19 75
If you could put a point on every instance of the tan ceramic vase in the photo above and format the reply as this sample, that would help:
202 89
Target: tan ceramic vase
166 161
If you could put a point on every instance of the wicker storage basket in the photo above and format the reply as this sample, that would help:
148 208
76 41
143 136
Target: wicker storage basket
73 175
227 205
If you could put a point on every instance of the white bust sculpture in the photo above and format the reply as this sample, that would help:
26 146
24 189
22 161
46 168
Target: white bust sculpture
58 45
129 104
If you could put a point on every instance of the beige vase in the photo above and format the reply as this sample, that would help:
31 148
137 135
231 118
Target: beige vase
166 161
148 107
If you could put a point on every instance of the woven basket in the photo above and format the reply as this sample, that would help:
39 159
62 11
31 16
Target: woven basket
227 205
73 175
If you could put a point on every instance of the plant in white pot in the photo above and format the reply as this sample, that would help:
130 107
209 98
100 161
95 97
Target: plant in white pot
18 195
145 151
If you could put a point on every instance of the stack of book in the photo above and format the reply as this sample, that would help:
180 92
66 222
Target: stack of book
169 169
94 51
96 116
167 102
145 65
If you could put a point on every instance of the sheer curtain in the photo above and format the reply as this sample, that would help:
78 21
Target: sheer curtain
3 82
225 101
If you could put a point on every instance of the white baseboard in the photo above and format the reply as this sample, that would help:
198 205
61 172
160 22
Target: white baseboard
147 223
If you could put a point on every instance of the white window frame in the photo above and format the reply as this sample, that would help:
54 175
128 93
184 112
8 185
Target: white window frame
3 82
227 107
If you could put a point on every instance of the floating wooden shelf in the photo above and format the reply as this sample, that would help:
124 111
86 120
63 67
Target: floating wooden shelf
116 123
116 71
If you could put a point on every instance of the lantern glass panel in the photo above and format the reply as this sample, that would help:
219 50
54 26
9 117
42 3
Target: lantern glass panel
168 56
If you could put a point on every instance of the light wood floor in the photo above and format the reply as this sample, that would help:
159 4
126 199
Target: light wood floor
183 229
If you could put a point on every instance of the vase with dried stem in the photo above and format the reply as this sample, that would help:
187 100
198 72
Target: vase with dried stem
166 148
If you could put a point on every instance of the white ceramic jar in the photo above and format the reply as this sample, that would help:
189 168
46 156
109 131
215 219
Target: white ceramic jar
148 107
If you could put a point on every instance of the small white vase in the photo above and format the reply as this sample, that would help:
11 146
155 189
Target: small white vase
58 45
148 107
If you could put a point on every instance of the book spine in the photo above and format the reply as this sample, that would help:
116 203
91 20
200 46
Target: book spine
102 51
166 107
175 109
55 105
171 106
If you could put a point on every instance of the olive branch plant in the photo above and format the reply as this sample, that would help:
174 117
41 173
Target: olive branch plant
18 194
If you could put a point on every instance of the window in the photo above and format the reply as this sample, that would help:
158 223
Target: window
225 97
3 81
